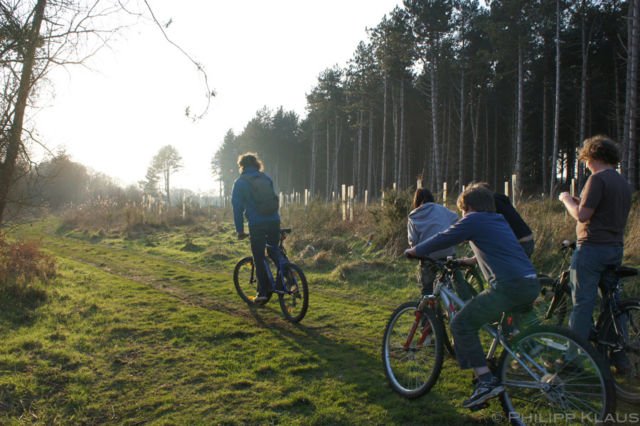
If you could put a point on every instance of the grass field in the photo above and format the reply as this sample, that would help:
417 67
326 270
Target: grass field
150 330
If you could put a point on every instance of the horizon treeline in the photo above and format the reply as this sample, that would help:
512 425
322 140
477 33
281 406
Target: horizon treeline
455 91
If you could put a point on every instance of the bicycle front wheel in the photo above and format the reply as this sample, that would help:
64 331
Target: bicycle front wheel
294 298
623 354
551 376
412 350
245 279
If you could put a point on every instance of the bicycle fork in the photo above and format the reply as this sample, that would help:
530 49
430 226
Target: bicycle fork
426 302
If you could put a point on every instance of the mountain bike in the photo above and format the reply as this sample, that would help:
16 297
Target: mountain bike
616 329
288 282
547 371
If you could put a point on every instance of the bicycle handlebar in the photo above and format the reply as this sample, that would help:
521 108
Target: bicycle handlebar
450 262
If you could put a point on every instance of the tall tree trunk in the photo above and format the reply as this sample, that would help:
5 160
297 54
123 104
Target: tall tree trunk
314 144
585 41
401 181
434 123
616 105
394 114
370 154
384 136
14 140
167 186
336 156
358 168
556 119
461 166
545 133
328 180
519 119
474 118
446 163
630 115
495 148
487 143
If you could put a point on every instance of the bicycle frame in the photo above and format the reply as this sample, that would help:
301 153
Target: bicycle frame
453 303
280 264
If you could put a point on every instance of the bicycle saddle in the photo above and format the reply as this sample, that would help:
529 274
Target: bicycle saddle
522 309
626 271
285 230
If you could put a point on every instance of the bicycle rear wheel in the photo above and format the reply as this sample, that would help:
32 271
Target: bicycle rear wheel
245 279
294 299
626 362
552 377
412 350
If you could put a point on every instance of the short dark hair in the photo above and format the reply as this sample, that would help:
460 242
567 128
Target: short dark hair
600 147
477 198
422 195
249 159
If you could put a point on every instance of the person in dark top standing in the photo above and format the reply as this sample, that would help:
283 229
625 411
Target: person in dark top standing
601 215
518 225
505 266
264 227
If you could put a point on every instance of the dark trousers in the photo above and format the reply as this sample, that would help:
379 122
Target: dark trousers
485 308
260 235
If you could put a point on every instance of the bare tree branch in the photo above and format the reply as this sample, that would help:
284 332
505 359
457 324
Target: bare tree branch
199 67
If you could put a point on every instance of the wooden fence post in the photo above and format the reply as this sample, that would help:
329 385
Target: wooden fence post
344 202
351 194
444 194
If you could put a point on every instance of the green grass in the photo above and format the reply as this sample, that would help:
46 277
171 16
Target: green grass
150 330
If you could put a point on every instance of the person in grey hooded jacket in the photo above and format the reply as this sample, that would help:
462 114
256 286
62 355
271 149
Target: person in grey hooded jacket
426 219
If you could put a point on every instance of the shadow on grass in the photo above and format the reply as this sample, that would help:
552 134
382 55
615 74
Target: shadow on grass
324 357
18 304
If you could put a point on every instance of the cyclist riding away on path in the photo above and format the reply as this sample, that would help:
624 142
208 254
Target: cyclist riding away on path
253 196
506 267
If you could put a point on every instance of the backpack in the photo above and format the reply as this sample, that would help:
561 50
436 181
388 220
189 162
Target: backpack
263 195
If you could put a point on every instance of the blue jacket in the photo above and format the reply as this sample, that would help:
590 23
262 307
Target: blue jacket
499 254
243 203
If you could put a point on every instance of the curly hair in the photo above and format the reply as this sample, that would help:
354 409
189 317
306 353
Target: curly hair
601 148
249 159
478 198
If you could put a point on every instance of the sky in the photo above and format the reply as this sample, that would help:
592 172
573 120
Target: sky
115 113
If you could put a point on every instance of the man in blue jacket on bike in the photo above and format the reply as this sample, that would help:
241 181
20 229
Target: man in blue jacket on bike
253 196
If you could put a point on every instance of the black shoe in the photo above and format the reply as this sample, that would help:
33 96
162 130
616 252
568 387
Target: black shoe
621 363
259 299
484 390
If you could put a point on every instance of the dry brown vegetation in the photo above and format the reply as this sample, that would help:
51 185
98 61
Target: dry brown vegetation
23 265
322 239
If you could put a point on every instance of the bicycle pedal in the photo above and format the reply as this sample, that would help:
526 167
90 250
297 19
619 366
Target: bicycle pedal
479 407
